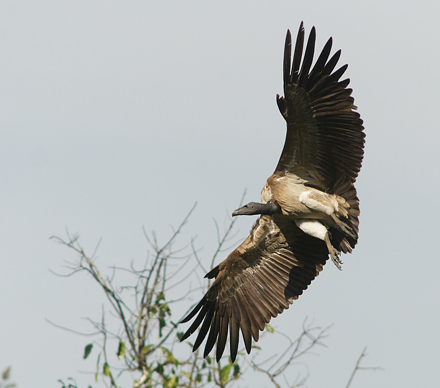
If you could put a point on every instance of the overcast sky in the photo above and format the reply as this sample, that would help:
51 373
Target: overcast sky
118 115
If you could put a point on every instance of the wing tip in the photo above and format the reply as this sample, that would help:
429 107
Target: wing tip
213 273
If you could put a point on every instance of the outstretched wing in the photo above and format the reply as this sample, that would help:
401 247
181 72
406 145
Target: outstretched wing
257 281
324 134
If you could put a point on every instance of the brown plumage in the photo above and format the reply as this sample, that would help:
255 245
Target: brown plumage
309 206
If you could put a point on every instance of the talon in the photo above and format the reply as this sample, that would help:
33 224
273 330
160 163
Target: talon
334 253
335 258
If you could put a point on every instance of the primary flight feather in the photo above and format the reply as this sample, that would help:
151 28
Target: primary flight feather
309 206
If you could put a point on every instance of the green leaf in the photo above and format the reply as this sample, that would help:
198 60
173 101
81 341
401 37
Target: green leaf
106 369
179 335
146 348
165 309
186 374
7 373
159 369
121 350
97 367
87 350
236 372
224 373
172 383
170 357
270 329
160 296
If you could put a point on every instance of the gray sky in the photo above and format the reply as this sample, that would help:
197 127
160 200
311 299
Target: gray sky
117 115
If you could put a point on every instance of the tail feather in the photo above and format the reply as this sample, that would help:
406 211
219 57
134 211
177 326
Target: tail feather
341 240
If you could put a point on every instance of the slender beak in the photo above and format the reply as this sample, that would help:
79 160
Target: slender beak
241 211
253 208
236 212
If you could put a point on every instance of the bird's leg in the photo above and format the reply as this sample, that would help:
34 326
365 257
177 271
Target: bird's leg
334 253
316 229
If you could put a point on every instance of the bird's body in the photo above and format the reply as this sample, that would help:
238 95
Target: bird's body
309 207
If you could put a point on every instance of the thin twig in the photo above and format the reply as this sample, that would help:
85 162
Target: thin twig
226 234
73 331
117 303
358 367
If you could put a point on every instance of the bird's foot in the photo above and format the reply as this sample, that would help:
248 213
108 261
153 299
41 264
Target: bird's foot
334 254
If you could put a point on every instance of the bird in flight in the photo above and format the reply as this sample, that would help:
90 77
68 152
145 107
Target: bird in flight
309 206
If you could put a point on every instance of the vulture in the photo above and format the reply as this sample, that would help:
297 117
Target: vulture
309 206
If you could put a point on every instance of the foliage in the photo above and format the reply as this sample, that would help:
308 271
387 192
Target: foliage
6 375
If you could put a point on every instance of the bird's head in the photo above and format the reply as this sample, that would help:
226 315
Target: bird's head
252 208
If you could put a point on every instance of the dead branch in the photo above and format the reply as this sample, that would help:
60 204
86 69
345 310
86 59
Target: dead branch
357 367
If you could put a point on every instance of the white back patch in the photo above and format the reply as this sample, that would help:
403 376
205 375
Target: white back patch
313 228
323 206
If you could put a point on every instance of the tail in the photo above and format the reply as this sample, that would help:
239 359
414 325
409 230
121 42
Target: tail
345 237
